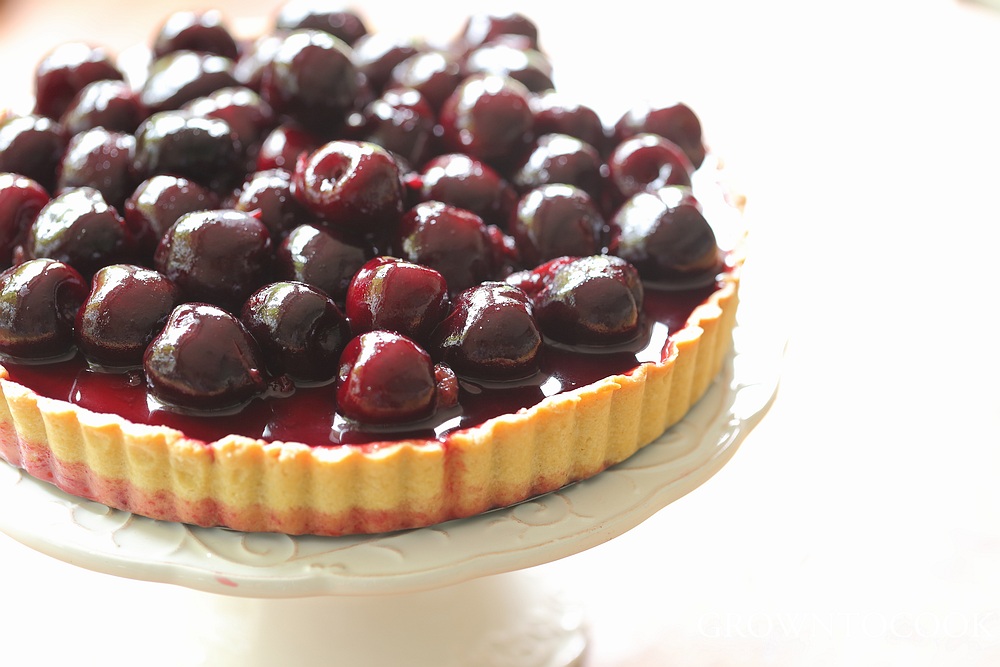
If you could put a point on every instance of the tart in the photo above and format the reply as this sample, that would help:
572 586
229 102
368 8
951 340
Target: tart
328 283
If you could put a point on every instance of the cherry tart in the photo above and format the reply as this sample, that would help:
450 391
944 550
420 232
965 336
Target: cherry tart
416 288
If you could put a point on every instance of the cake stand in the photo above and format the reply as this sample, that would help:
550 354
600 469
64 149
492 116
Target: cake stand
459 593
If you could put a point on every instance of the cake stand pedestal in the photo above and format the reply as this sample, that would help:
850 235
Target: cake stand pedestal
459 593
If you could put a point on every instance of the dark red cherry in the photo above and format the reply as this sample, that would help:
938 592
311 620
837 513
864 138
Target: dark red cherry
32 146
450 240
204 361
526 65
556 220
354 186
402 122
40 298
282 147
331 17
555 113
488 117
249 116
376 54
102 160
316 256
385 378
220 256
202 31
158 202
65 71
300 330
490 333
20 201
268 196
647 162
311 78
595 300
110 104
675 122
484 28
560 158
182 76
249 69
434 73
81 229
665 236
204 150
127 306
465 182
396 295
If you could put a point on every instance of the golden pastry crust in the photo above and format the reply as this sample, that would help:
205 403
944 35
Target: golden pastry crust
255 485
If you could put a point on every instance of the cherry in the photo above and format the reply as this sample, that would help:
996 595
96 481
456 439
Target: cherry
268 196
40 298
665 236
204 361
65 71
484 28
396 295
219 256
300 330
647 162
249 116
20 201
434 73
79 228
110 104
556 114
182 76
376 54
490 334
674 122
102 160
488 117
353 186
468 183
453 241
311 78
402 122
318 257
595 300
561 158
556 220
32 146
126 308
249 69
526 65
204 150
158 202
385 378
332 18
282 147
203 32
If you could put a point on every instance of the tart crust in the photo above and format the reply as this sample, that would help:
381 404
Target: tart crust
255 485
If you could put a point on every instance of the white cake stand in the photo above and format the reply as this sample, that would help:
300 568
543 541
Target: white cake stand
453 594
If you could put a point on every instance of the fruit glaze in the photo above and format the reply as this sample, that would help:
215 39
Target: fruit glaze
330 282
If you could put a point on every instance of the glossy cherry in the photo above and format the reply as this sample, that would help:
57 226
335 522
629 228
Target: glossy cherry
320 258
488 117
281 148
334 18
157 203
675 122
20 201
402 122
249 116
555 113
268 196
647 162
204 361
465 182
32 146
127 307
433 72
102 160
201 31
376 54
204 150
484 28
181 76
526 65
39 302
561 158
556 220
65 70
300 330
110 104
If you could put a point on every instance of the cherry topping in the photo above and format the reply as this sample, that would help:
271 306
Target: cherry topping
468 183
181 76
593 300
675 122
396 295
401 121
65 71
204 360
102 160
354 186
268 195
488 117
490 333
647 162
561 158
20 201
204 150
376 54
219 256
127 306
249 116
385 378
330 17
300 330
318 257
79 228
311 78
434 73
556 114
665 235
110 104
38 303
526 65
157 204
282 147
203 32
451 240
31 146
556 220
